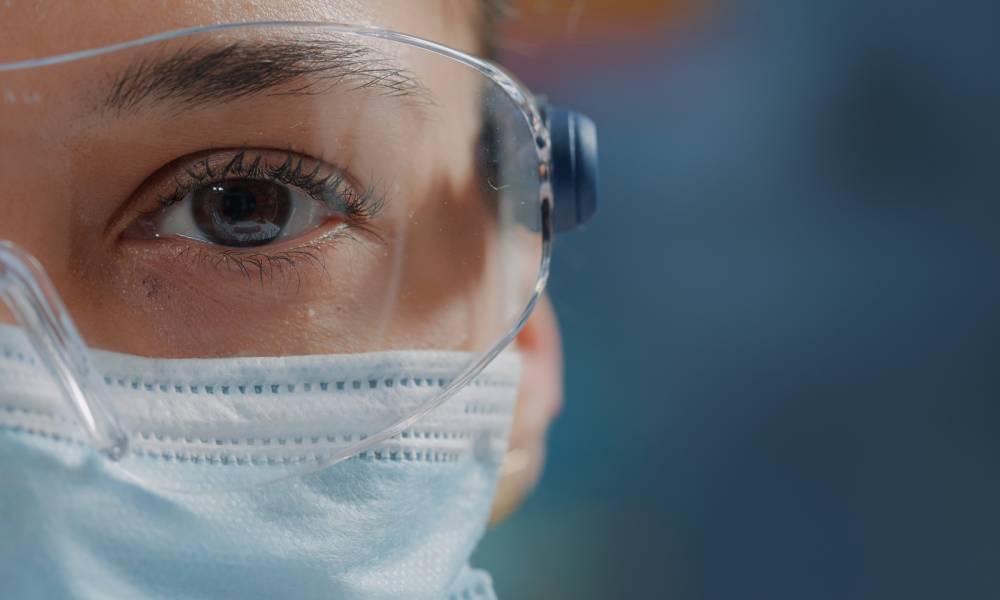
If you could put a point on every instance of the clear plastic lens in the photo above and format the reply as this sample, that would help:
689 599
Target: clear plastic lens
278 191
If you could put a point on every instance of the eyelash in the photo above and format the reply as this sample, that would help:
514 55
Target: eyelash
359 207
255 265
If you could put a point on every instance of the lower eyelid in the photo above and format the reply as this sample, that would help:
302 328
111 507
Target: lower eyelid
188 258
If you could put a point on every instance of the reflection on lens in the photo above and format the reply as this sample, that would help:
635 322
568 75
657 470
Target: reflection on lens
241 212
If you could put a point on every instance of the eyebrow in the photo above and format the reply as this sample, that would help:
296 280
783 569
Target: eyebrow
201 75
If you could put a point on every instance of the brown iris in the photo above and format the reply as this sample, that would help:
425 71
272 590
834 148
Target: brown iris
242 212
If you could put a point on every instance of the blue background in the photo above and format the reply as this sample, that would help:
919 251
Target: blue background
781 331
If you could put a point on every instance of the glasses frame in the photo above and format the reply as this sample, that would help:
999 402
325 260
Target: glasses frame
36 305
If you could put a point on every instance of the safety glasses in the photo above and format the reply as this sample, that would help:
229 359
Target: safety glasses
272 190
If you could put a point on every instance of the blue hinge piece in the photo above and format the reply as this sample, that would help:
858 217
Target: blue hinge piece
574 167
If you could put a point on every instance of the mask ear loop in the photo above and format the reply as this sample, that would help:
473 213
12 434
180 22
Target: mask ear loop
36 306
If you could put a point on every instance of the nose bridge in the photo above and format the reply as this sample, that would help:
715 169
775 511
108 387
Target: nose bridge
35 186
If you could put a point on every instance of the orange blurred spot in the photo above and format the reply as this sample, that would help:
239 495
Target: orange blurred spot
594 20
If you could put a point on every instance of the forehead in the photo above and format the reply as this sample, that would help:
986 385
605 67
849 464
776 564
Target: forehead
35 28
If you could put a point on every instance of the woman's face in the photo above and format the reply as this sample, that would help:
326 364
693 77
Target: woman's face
111 169
108 168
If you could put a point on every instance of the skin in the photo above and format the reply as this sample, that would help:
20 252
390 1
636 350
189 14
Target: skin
84 232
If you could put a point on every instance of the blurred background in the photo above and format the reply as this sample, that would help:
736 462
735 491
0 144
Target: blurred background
781 331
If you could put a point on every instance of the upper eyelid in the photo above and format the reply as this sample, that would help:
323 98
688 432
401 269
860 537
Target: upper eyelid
204 169
360 202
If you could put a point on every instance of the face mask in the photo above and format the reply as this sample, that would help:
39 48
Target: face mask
398 520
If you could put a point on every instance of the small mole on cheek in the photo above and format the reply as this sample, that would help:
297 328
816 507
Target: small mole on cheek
152 285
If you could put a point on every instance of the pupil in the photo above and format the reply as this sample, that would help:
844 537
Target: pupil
238 203
242 212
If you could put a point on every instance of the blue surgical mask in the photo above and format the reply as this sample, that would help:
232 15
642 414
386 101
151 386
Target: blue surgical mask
398 520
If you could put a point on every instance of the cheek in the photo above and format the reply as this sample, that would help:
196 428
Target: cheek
169 300
539 402
541 395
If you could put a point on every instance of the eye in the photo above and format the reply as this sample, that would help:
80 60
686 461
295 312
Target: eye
243 212
239 201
